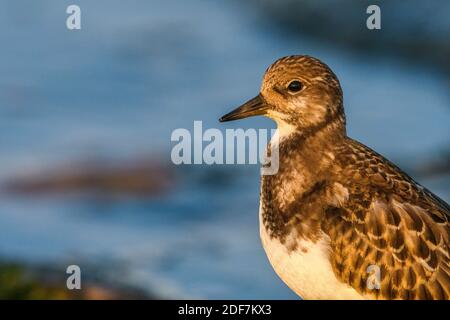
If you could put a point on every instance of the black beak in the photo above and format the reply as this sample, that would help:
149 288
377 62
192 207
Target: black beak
254 107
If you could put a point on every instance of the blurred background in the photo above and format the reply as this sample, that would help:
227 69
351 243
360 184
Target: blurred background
86 118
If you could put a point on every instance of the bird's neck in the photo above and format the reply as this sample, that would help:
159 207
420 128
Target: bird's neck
308 143
305 161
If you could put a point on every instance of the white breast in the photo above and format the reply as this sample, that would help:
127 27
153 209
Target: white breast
307 270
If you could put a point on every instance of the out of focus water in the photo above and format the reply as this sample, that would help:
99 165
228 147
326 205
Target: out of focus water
117 88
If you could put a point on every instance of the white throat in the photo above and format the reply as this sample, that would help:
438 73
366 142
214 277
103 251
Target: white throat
284 130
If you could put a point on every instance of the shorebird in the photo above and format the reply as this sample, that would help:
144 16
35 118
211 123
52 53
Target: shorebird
338 220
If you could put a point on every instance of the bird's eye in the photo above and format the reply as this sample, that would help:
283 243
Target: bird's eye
295 86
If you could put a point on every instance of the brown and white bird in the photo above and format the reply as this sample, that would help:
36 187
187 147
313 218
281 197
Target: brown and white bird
337 213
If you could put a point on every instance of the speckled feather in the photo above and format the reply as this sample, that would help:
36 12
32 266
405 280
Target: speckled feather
390 221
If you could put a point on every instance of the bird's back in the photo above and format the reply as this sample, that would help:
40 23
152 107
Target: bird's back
386 222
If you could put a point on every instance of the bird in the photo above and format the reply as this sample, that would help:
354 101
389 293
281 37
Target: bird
339 221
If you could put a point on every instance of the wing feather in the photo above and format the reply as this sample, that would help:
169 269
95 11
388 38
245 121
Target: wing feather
389 221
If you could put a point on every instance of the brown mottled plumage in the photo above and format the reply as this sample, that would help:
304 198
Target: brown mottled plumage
333 190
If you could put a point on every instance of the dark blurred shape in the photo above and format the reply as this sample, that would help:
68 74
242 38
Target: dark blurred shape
25 282
439 165
142 178
415 29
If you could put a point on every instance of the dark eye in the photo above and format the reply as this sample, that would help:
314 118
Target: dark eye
295 86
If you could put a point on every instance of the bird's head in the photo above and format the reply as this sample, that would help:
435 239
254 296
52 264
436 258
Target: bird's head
298 92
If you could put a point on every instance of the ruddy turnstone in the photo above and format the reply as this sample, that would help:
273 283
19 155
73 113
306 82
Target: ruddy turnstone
338 213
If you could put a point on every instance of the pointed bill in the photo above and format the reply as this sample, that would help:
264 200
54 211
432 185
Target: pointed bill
254 107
